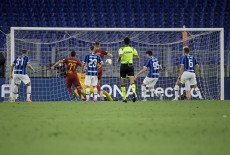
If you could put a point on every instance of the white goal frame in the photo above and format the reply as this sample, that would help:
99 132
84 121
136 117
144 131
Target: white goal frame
221 30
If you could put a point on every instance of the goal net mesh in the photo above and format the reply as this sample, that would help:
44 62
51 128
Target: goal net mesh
46 47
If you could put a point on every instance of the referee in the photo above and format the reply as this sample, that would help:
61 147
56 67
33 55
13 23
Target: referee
126 56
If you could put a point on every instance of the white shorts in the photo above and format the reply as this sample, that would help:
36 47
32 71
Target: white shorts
21 77
91 80
188 77
151 82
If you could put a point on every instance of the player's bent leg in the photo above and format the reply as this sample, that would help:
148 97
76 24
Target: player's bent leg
87 93
95 93
176 89
143 88
188 90
107 95
198 91
15 92
82 93
153 91
99 90
79 92
94 83
68 85
71 92
28 91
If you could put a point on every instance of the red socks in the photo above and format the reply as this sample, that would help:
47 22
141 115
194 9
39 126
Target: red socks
70 90
79 92
98 88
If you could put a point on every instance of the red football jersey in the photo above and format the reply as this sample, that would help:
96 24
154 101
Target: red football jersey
71 65
100 52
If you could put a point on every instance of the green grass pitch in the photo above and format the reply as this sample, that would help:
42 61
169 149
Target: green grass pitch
115 128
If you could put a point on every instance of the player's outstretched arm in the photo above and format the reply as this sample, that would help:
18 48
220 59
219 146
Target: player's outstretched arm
57 63
11 70
161 68
142 71
101 64
83 68
109 55
136 57
119 58
197 69
30 67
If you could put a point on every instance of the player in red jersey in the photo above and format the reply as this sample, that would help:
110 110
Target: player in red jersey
71 76
102 53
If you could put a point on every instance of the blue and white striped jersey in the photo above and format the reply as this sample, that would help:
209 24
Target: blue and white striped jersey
154 66
189 63
21 64
92 60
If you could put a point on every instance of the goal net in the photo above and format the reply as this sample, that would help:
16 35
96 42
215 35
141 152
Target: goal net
48 45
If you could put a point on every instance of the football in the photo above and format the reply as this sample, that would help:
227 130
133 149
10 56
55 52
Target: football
109 61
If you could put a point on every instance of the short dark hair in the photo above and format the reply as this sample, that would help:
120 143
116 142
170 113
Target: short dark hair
73 54
127 41
91 48
186 50
97 44
149 53
24 51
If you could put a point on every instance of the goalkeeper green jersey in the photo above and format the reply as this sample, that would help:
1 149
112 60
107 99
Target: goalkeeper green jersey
127 54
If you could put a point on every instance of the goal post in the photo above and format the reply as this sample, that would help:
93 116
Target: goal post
46 45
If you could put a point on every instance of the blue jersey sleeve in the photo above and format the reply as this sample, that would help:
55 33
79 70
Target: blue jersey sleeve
15 60
99 59
28 59
147 63
159 62
195 62
183 60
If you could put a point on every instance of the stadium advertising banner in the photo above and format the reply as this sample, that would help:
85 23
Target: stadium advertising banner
45 91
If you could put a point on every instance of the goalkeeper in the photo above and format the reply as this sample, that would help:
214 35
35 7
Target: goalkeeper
83 91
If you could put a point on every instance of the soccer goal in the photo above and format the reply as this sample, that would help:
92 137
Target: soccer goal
48 45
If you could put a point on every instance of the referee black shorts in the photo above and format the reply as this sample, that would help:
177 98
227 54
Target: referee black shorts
125 70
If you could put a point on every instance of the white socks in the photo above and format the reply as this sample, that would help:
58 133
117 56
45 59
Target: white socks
176 89
143 91
87 93
28 91
15 91
198 92
95 93
153 91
